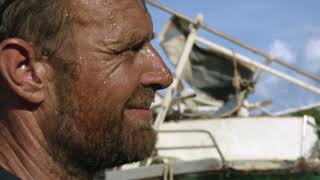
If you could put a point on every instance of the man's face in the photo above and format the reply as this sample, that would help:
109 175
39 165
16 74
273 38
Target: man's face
103 101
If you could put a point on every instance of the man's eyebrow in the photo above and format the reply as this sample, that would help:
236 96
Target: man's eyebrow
136 38
139 38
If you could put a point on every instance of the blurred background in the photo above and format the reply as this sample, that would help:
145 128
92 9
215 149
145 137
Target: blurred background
289 29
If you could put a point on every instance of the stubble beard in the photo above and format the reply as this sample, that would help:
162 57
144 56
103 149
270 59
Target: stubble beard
114 142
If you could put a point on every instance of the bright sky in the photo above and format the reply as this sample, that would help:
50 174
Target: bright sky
290 29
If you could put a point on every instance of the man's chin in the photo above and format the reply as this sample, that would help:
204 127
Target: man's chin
118 142
139 143
137 130
131 145
135 141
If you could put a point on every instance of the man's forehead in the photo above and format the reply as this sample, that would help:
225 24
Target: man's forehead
107 3
111 8
115 23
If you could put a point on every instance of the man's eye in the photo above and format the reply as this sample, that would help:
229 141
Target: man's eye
136 48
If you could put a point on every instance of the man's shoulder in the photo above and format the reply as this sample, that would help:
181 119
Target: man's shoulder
5 175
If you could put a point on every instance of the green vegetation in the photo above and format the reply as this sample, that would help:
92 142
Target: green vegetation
311 112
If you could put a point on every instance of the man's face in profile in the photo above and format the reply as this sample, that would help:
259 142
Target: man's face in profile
104 88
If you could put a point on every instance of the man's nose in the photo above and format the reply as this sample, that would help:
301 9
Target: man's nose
158 74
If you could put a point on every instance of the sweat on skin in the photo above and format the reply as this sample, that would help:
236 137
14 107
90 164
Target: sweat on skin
85 107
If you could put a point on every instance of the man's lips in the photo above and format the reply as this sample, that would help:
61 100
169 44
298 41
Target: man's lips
139 114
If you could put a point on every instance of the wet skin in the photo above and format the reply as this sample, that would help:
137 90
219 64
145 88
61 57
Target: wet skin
104 112
87 108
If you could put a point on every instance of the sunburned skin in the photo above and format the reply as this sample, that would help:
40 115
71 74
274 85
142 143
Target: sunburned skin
95 109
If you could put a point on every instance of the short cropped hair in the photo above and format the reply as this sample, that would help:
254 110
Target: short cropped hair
42 22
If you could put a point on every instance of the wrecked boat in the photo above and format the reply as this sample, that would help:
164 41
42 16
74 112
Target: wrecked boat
203 120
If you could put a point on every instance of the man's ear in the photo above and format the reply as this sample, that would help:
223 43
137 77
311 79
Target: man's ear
19 68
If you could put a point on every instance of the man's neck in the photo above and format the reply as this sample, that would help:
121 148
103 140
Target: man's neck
24 151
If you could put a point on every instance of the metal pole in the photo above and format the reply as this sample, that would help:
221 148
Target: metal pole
237 42
166 103
303 136
263 67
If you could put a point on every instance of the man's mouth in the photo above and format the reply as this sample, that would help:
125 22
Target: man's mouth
138 106
144 106
141 114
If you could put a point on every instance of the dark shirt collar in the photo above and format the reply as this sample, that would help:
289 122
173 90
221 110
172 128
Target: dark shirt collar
5 175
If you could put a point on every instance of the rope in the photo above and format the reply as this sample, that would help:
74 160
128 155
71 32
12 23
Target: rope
168 172
236 75
237 80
